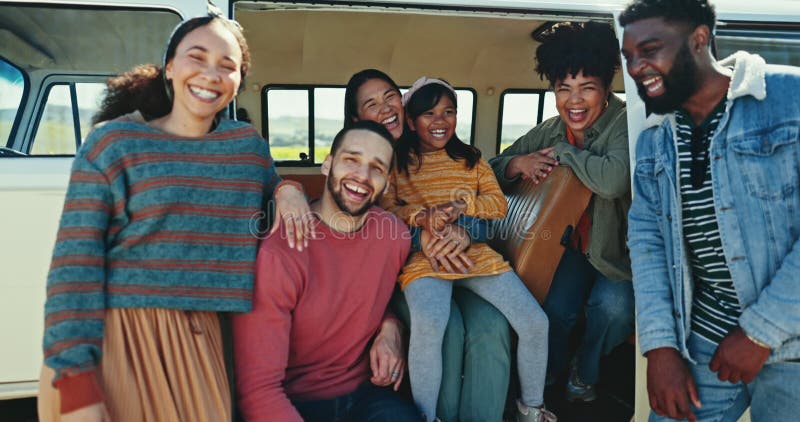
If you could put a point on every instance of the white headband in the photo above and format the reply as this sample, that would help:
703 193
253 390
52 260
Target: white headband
421 82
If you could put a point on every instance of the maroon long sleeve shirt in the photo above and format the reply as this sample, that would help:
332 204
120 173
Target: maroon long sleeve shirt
314 315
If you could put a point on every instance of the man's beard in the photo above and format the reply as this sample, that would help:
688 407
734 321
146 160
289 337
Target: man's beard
679 84
338 197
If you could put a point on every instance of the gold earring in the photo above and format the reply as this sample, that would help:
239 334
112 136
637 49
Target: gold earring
606 105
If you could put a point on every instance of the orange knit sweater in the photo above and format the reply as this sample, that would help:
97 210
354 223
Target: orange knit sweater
439 180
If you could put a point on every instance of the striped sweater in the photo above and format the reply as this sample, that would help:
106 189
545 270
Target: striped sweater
152 220
440 180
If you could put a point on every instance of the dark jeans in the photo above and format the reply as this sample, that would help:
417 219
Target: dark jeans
608 305
367 404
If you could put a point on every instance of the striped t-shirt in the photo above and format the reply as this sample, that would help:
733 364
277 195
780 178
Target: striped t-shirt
715 309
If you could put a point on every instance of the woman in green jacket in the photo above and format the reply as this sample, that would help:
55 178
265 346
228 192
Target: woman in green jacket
590 136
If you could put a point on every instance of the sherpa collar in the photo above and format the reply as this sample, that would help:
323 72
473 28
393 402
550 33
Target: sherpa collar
748 76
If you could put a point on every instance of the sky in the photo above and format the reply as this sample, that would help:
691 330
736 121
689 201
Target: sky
11 86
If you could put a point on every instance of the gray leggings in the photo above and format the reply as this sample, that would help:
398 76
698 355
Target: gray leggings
429 304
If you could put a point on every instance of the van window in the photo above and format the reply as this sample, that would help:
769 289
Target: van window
66 119
466 115
549 108
12 88
54 50
328 119
293 112
287 124
780 46
89 97
56 132
520 111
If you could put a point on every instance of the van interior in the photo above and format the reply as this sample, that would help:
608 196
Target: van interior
488 54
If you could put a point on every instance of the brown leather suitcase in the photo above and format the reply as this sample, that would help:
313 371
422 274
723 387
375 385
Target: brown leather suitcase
540 220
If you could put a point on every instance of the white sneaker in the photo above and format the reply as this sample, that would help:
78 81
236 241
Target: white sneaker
534 414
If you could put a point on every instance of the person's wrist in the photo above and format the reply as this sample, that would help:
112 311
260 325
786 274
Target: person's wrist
757 342
463 236
511 167
460 206
424 236
420 218
660 351
391 324
281 188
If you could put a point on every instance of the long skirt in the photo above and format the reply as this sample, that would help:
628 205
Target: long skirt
157 365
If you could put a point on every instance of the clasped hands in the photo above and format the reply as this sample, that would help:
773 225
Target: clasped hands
443 242
387 356
534 166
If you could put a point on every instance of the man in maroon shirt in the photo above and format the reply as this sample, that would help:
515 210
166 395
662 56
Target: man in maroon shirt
319 344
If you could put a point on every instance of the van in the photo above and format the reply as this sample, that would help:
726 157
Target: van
54 57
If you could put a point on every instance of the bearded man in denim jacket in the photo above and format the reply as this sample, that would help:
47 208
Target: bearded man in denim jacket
715 220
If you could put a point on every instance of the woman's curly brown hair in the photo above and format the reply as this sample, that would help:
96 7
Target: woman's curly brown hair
141 88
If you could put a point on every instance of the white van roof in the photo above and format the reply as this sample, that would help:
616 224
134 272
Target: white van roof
768 11
182 7
746 10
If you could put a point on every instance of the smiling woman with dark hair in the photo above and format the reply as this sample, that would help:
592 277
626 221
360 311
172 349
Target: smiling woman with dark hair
590 136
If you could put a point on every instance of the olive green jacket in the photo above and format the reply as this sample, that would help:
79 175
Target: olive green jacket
603 166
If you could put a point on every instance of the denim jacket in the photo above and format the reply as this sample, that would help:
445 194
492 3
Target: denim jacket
755 170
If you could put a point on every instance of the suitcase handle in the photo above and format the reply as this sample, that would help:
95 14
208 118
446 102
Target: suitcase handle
567 234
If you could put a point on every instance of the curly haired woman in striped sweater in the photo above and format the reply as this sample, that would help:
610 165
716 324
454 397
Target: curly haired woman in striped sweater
156 237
